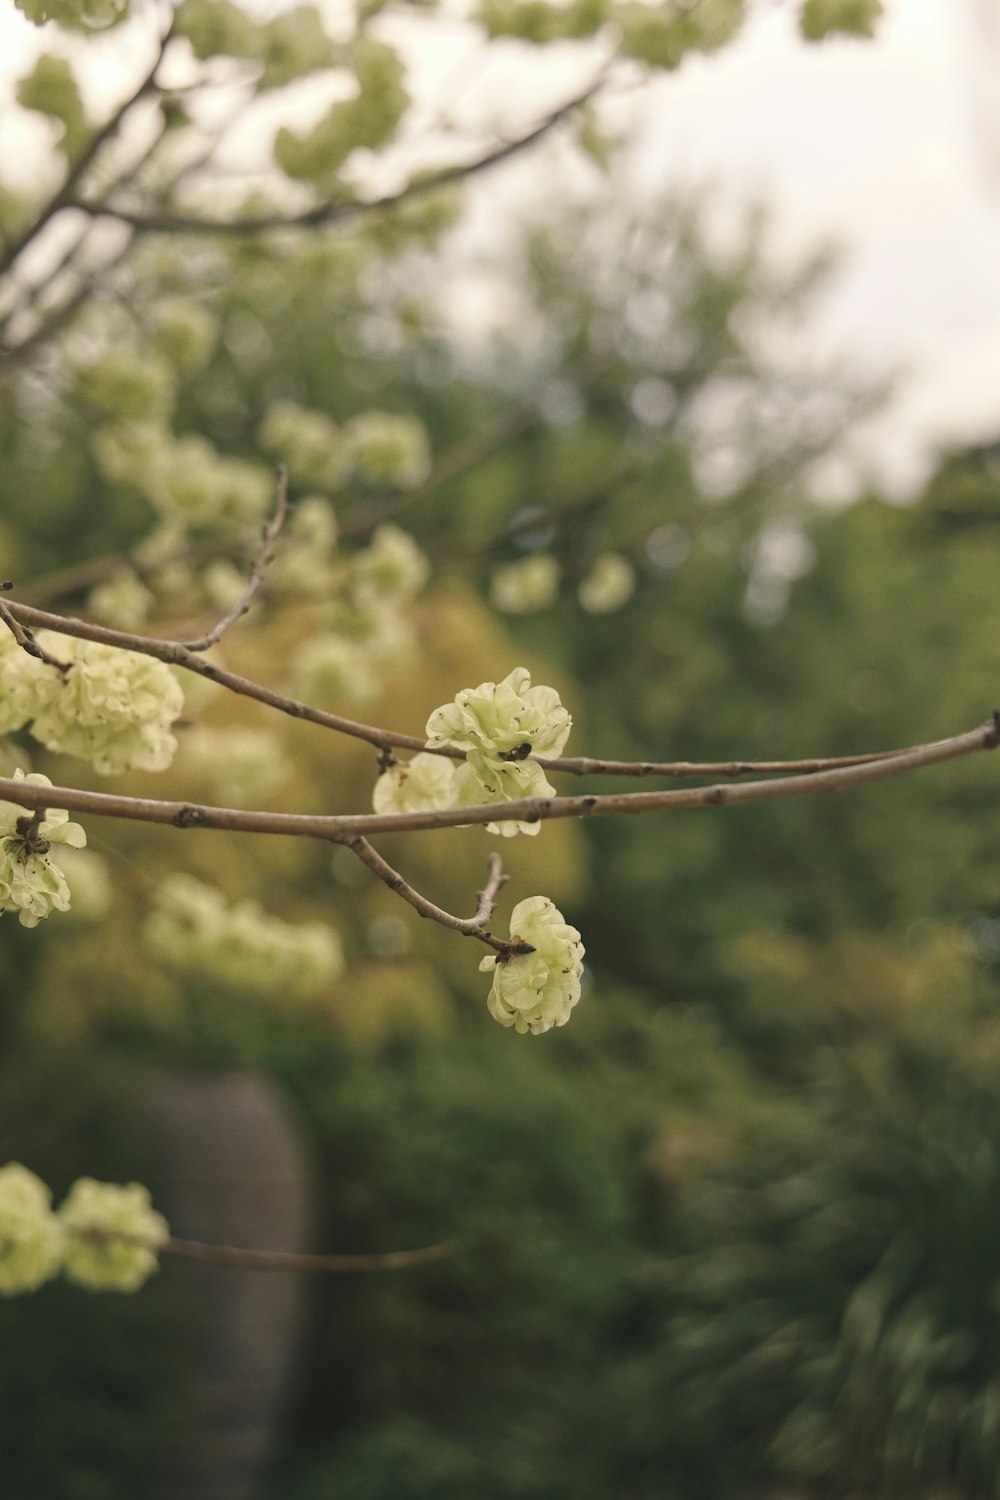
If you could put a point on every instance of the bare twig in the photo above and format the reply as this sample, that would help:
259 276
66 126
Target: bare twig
269 535
468 926
177 654
24 638
237 1258
329 213
63 197
341 828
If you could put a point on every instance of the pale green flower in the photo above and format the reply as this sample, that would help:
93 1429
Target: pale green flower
482 780
30 1241
525 586
389 448
239 948
609 584
392 567
423 784
113 708
504 722
123 601
241 766
105 1210
31 883
308 443
26 687
330 669
185 333
536 991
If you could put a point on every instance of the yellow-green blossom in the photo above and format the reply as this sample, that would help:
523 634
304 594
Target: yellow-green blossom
113 708
422 784
31 883
525 586
536 991
239 948
30 1241
608 585
92 1217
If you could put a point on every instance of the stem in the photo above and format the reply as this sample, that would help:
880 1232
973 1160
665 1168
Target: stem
329 213
269 536
467 926
63 196
341 828
237 1258
180 654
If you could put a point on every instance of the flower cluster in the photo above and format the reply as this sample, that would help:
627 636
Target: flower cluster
31 883
424 783
104 1236
499 726
113 708
536 991
241 948
92 1217
365 625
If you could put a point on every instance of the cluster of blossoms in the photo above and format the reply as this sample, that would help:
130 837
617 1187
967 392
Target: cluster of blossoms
31 882
103 1237
112 708
240 765
240 949
363 629
499 725
536 991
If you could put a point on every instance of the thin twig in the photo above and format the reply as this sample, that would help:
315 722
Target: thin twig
340 828
329 213
177 654
237 1258
269 535
63 196
24 637
467 926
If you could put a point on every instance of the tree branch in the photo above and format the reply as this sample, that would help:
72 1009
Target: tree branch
179 654
330 213
269 535
341 828
63 196
237 1258
467 926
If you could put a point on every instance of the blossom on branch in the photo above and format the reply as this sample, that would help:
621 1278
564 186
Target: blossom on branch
30 1239
113 708
419 785
536 991
92 1216
499 726
30 883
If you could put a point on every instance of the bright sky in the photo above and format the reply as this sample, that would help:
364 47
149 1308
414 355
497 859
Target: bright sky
891 148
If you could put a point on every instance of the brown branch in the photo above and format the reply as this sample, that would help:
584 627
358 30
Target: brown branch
467 926
340 828
178 654
24 638
329 213
237 1258
63 196
269 535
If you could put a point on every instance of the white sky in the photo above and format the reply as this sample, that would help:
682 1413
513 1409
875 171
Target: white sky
892 148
